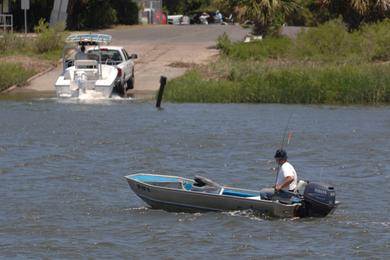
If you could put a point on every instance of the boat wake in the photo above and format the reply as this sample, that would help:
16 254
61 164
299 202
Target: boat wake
94 98
252 215
137 209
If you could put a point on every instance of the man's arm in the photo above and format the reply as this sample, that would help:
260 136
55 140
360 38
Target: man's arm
287 181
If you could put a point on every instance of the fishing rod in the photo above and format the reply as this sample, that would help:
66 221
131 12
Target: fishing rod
285 132
289 137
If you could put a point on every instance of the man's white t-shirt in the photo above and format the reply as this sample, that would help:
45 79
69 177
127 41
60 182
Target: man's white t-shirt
81 55
287 170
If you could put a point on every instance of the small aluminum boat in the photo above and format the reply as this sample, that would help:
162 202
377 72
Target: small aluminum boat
180 194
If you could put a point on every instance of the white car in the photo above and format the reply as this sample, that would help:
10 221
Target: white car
118 57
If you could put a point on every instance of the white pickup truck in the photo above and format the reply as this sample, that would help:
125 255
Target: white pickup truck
118 57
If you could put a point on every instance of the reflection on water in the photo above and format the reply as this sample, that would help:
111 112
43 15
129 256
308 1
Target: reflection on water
63 194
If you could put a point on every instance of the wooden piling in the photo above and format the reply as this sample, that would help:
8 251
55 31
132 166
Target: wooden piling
163 82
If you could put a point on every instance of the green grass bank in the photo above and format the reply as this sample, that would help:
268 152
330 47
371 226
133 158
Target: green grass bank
323 65
11 74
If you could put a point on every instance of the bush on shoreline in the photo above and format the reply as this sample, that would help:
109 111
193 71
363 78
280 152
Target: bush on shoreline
331 42
268 48
48 39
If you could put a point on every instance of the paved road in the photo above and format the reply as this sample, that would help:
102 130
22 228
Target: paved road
158 46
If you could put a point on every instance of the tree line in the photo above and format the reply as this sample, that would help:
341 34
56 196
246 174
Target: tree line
266 15
81 14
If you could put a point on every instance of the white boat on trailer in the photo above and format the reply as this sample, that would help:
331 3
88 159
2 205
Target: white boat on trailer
87 76
180 194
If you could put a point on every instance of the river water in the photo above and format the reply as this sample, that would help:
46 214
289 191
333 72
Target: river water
63 195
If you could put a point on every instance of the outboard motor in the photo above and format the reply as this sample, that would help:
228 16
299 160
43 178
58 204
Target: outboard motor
81 79
319 200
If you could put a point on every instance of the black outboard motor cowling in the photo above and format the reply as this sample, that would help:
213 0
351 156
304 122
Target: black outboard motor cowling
319 200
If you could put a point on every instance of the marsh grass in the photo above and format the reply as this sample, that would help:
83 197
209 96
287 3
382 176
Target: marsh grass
323 65
331 84
11 74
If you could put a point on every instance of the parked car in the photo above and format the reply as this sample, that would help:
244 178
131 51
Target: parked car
117 56
195 18
175 19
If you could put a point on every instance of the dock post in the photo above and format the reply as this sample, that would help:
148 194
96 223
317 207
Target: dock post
163 82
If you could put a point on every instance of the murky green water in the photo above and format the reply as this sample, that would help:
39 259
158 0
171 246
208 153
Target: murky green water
63 195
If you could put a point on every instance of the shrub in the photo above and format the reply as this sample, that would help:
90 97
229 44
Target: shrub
327 42
224 43
375 40
48 39
268 48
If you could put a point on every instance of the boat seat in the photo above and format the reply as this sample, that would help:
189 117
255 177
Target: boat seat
202 184
85 64
207 189
201 181
88 67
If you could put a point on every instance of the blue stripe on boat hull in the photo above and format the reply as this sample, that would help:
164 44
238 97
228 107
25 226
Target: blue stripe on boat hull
154 178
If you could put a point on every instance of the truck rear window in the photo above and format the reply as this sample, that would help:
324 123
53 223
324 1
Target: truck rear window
108 56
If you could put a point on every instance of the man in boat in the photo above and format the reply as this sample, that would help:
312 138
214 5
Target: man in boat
81 55
286 180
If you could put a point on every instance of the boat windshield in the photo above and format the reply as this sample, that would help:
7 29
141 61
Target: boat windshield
111 57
